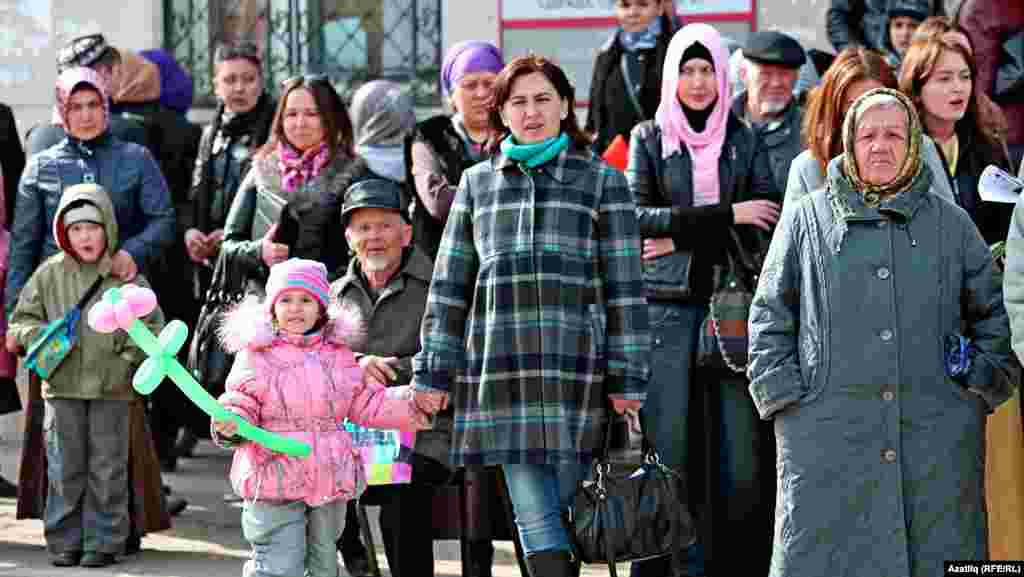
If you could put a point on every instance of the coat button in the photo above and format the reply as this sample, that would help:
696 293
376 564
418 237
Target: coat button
886 335
889 455
888 395
883 273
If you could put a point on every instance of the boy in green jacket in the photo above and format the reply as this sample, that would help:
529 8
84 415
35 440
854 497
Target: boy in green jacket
87 397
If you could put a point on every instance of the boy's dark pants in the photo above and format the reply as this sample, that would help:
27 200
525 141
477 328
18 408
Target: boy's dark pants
87 466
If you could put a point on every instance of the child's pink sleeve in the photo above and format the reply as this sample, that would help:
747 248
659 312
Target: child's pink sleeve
376 406
243 389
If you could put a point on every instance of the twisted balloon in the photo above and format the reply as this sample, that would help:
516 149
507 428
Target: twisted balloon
121 308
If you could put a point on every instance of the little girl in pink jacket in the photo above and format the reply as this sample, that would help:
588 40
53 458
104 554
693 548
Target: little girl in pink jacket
294 374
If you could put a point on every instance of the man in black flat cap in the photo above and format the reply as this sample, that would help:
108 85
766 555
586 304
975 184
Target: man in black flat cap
771 65
387 281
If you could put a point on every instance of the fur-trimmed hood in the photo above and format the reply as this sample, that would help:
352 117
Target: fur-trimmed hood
248 325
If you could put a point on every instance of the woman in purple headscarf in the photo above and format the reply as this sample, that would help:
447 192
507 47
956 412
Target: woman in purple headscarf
443 146
439 149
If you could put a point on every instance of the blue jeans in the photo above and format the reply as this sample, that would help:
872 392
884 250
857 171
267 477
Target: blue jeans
540 496
674 331
292 538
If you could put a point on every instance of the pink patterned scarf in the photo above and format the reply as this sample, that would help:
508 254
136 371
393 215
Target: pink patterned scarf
297 168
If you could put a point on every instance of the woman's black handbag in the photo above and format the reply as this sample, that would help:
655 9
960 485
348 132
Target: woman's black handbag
630 512
207 360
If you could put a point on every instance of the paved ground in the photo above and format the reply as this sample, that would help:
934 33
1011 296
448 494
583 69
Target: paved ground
206 539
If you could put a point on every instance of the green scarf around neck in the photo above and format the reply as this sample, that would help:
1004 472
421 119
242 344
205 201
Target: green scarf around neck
534 155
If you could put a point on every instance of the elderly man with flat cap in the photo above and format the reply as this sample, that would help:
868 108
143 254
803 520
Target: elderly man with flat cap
388 281
772 62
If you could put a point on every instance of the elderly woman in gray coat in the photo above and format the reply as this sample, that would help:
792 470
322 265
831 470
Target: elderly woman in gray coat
872 289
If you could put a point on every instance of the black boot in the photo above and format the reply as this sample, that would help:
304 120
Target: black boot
481 558
8 490
353 553
551 564
186 445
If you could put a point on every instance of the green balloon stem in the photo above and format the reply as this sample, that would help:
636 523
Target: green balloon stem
145 339
198 395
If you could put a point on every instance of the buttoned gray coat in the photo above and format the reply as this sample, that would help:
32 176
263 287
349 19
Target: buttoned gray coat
881 455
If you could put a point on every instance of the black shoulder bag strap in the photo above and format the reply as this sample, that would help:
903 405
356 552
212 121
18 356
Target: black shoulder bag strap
634 98
95 286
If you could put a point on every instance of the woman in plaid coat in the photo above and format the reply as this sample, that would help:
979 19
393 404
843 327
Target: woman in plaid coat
536 322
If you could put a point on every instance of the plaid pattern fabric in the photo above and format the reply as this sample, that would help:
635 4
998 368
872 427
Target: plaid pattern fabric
536 310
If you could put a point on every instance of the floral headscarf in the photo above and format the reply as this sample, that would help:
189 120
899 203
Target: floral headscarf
912 164
66 84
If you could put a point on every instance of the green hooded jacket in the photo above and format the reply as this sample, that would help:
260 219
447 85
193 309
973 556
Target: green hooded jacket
100 366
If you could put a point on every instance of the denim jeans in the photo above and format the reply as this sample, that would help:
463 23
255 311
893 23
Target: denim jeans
292 538
540 497
674 331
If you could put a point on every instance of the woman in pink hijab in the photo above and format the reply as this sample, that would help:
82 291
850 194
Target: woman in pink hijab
691 171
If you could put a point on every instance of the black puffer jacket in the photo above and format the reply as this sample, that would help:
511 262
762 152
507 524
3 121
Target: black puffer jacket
663 189
611 110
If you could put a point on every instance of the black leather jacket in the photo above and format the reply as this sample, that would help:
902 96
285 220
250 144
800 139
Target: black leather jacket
663 189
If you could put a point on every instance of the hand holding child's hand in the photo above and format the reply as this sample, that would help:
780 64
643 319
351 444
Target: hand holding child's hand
432 402
422 421
380 369
225 428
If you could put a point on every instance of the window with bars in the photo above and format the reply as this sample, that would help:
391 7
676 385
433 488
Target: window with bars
353 41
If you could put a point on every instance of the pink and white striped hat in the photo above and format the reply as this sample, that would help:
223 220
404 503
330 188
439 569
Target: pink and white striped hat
297 273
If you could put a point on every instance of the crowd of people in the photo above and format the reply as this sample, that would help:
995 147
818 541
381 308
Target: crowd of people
494 279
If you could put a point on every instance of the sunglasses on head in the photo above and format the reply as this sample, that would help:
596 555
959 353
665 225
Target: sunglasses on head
306 79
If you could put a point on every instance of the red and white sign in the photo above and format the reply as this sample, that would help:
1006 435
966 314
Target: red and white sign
571 31
601 13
